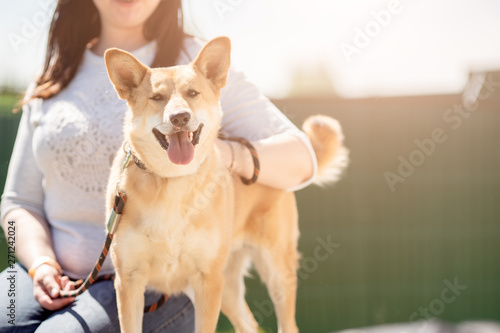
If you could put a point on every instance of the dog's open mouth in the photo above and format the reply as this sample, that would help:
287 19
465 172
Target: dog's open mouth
179 145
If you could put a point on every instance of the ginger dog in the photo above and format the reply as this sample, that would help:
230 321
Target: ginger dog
168 239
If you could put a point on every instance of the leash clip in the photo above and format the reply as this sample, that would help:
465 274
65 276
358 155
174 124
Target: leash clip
128 152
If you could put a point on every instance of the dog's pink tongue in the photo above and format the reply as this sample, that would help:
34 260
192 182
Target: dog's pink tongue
180 149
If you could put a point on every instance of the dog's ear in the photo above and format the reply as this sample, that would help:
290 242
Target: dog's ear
124 71
214 59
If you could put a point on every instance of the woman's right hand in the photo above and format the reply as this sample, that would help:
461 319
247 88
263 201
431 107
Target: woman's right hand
47 283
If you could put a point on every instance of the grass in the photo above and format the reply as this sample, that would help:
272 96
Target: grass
8 101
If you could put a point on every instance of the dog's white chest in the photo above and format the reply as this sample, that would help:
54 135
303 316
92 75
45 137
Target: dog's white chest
177 251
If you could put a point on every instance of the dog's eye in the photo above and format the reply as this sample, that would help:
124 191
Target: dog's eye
192 93
156 97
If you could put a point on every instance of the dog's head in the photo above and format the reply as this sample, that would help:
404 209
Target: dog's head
174 112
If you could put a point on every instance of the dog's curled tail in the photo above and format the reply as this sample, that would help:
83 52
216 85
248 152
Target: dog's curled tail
325 134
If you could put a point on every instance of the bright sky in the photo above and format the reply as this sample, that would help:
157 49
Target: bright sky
366 47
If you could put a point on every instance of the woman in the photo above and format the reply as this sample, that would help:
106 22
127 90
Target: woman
68 134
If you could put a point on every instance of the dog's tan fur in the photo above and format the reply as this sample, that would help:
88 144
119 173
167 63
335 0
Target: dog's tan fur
196 225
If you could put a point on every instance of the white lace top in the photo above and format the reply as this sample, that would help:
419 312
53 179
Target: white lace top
66 144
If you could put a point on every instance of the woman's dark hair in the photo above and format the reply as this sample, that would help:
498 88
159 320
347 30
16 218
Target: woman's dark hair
76 23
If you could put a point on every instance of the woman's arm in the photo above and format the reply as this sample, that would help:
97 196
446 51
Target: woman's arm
286 156
284 159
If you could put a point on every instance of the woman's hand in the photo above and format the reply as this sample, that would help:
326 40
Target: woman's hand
47 283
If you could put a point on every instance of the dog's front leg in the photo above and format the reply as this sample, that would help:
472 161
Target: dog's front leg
207 304
130 302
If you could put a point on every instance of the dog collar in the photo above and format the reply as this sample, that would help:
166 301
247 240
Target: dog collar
139 163
127 149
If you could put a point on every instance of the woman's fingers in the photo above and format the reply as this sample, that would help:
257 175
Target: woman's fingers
47 284
67 284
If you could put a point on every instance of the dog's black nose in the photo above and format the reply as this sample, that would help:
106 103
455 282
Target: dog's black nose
180 119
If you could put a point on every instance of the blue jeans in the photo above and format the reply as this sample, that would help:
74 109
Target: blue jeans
93 311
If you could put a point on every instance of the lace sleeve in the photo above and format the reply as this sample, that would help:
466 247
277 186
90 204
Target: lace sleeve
23 186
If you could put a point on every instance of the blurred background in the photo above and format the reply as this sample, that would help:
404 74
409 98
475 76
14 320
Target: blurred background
412 231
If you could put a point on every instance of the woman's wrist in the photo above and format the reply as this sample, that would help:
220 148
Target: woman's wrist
243 163
233 157
236 158
43 260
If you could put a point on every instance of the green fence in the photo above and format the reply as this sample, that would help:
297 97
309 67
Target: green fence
412 230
